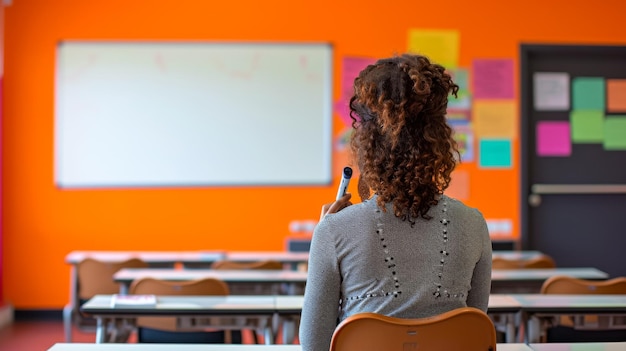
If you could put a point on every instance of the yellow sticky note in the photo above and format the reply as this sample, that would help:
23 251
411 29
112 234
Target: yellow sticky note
440 46
495 119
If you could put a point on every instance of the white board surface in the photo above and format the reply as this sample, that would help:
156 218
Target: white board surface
152 114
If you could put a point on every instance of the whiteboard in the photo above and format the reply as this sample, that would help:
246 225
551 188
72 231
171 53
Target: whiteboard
160 114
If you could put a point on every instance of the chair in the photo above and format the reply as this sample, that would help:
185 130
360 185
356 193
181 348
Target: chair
584 328
253 289
250 289
467 329
542 261
94 277
226 264
164 329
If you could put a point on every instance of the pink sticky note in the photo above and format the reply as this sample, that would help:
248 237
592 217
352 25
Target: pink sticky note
553 138
352 66
342 109
493 79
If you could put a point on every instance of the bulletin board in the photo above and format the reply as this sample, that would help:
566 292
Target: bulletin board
574 153
484 119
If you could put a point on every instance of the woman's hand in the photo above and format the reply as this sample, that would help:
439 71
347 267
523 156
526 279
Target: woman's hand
336 206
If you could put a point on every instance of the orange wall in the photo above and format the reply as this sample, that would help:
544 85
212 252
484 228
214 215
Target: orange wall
42 224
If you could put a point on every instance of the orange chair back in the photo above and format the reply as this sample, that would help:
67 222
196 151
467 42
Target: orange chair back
96 277
542 261
225 264
467 329
570 285
207 286
146 286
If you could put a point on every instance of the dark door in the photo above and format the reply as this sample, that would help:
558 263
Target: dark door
573 160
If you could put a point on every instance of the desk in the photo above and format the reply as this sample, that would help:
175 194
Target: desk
516 254
289 309
153 258
262 312
150 257
547 305
193 313
237 280
508 281
579 346
291 259
182 347
222 347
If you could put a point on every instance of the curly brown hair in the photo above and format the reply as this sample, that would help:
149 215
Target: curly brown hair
401 142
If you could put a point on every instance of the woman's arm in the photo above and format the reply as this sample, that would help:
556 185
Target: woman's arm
322 292
481 279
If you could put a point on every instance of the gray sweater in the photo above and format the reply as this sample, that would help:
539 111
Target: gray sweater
365 260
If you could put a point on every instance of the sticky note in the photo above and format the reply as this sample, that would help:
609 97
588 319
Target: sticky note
462 100
588 93
587 126
493 79
615 133
495 153
495 119
463 134
342 109
440 46
616 95
460 77
553 138
458 115
351 67
551 91
459 186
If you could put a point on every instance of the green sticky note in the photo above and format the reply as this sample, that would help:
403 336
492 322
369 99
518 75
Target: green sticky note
587 126
588 93
615 133
495 153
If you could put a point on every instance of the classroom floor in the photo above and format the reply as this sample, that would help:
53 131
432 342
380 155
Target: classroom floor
40 335
37 335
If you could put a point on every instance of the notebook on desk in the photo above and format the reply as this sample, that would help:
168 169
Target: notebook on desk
133 301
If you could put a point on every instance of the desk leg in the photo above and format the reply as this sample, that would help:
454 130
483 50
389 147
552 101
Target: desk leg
510 328
268 335
68 310
68 313
288 326
124 289
534 329
525 328
100 330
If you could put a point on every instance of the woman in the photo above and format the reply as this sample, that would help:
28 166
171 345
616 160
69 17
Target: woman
407 251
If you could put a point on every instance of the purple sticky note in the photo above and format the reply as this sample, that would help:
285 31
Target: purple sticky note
493 79
352 66
553 138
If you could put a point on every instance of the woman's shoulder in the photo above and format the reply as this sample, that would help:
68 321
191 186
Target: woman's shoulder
459 208
354 213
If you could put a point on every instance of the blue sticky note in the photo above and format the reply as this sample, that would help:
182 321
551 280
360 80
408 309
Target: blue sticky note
495 153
